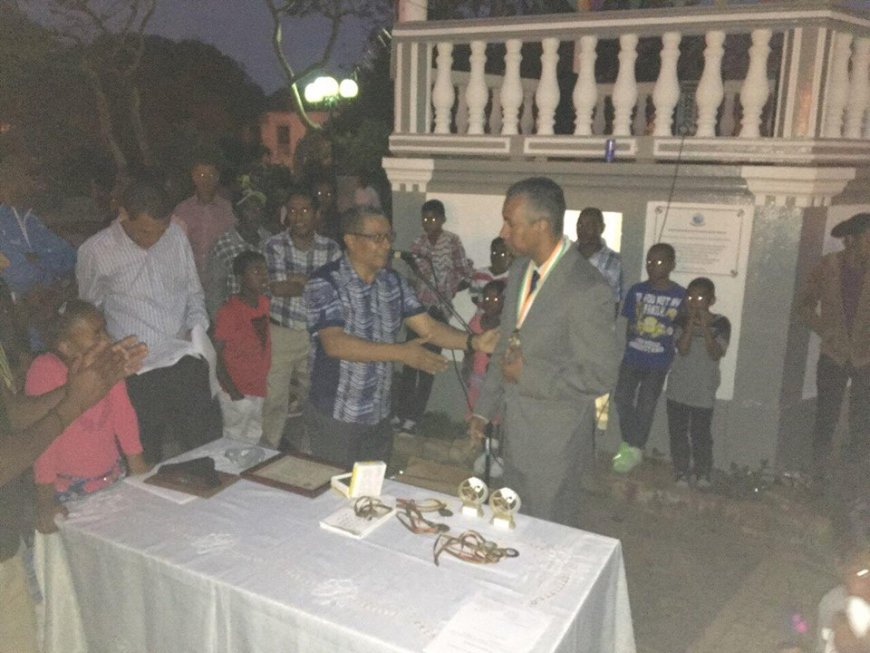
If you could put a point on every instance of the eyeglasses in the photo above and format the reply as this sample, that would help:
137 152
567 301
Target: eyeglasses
378 239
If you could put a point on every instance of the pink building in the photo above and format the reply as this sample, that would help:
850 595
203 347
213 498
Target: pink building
280 131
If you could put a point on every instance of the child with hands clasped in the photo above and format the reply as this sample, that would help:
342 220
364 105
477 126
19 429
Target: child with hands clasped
487 317
241 338
701 341
85 457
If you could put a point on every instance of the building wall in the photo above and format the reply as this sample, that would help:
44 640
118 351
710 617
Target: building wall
270 124
763 411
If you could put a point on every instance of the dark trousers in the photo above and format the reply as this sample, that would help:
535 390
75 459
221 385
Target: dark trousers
691 424
831 380
415 386
342 443
637 393
176 397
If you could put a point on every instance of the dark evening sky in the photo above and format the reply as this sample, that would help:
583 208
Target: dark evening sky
242 30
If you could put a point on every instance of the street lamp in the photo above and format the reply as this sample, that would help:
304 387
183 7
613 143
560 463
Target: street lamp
327 90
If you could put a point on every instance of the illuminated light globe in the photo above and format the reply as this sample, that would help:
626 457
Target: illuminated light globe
328 86
313 93
327 90
348 88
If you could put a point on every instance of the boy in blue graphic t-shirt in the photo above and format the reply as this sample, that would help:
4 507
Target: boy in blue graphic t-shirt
650 308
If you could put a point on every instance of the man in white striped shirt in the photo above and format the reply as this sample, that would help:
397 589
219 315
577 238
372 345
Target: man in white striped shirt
140 272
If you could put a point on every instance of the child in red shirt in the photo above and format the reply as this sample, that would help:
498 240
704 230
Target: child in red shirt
241 338
85 457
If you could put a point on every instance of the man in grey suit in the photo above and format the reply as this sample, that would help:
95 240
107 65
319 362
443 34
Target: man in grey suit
556 354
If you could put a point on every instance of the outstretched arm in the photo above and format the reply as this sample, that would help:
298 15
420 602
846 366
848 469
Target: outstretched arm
338 344
448 337
90 378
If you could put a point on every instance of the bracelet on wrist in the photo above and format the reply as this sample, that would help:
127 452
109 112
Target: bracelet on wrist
469 347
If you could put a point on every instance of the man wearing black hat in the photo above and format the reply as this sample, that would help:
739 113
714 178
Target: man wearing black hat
835 304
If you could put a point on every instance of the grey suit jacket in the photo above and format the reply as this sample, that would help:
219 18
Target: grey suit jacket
568 341
570 357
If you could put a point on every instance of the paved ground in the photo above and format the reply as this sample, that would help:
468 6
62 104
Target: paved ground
703 583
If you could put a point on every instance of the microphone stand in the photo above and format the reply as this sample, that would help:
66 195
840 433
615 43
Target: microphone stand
443 303
412 265
487 454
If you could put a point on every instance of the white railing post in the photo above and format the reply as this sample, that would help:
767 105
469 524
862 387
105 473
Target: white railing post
859 91
667 91
511 87
547 94
585 90
477 94
755 89
625 88
443 94
838 86
710 91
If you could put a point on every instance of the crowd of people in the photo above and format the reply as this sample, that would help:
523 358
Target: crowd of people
310 321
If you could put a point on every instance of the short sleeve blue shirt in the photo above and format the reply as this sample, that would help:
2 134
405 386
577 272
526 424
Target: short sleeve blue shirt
36 254
336 296
651 313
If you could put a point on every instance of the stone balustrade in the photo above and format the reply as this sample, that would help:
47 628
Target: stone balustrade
772 83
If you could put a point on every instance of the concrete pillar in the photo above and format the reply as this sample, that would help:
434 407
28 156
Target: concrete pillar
790 204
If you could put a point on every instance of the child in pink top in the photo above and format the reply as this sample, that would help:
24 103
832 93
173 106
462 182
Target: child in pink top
85 457
487 317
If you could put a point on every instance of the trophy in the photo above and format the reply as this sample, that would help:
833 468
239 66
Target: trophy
505 503
473 492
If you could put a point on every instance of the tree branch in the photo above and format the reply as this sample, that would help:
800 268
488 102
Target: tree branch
286 67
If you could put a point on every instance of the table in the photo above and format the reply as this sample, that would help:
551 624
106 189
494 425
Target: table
250 570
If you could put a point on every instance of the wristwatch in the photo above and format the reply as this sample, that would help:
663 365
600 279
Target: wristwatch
469 349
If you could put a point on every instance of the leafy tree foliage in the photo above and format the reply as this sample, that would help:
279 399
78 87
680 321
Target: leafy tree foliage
190 96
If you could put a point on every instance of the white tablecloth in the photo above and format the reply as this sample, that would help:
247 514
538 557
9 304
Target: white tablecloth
250 570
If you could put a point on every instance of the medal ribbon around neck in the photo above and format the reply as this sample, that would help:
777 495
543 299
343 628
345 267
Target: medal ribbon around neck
526 298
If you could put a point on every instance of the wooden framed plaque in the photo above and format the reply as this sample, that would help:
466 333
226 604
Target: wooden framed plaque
293 472
191 486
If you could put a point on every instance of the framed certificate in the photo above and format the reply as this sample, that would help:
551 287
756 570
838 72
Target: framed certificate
295 473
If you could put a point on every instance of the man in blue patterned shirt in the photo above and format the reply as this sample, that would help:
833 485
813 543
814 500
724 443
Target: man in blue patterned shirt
356 309
590 226
291 257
